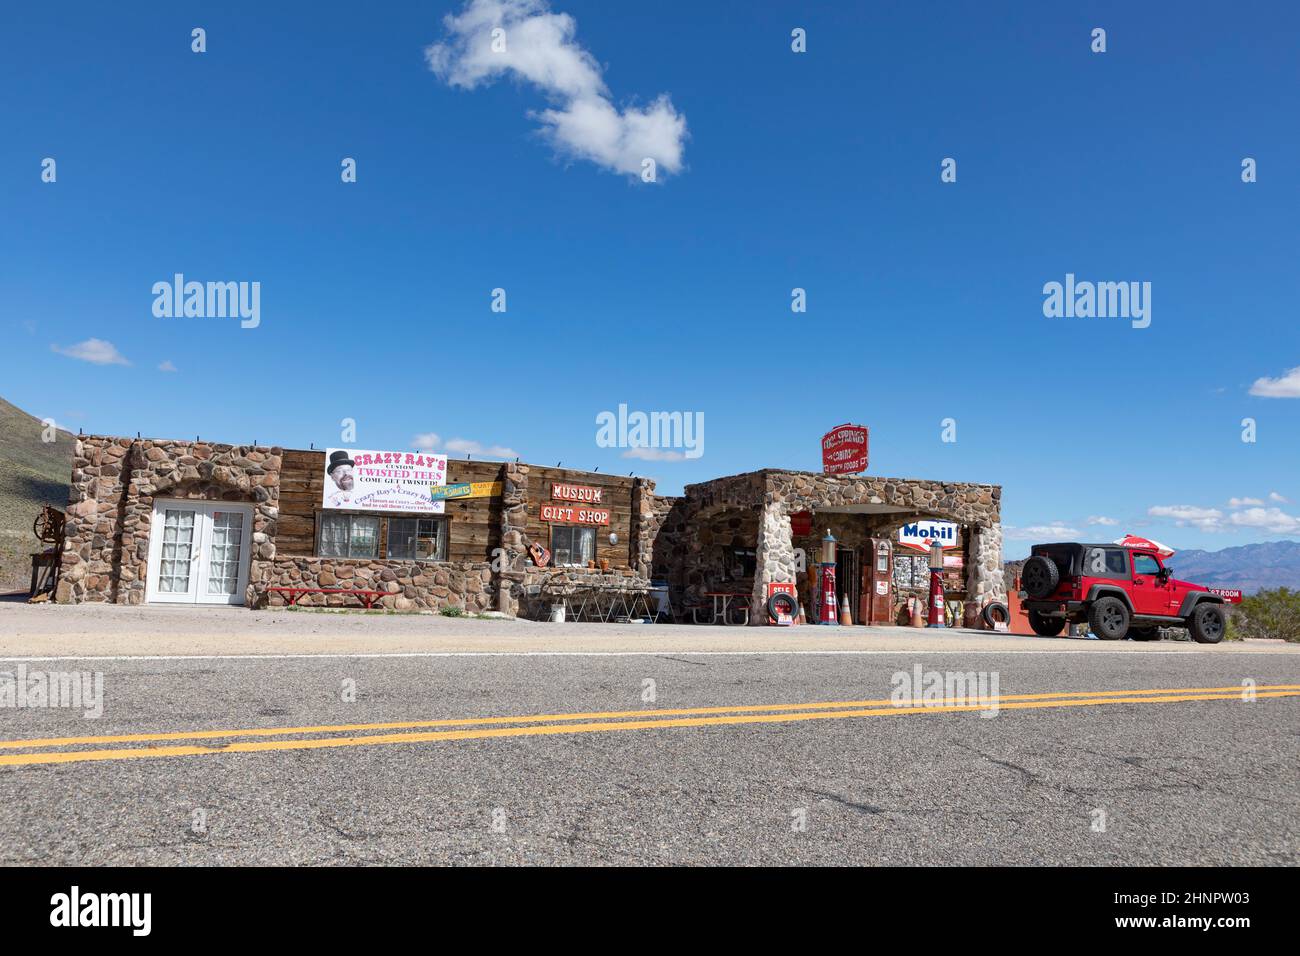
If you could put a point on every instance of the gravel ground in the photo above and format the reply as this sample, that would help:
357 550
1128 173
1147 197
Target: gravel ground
104 629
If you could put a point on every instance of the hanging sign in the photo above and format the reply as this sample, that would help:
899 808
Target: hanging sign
844 450
582 494
567 514
919 535
466 489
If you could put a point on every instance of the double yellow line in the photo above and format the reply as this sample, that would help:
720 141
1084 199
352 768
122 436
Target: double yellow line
45 750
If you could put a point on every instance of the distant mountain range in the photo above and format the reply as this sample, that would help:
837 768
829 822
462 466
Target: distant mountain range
1250 567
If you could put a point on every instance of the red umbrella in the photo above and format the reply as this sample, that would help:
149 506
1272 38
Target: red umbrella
1137 541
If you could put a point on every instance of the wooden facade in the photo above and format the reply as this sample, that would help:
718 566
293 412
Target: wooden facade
474 524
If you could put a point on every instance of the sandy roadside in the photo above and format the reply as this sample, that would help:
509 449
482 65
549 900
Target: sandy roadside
109 630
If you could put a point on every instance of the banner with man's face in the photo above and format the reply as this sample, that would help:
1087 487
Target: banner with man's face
365 480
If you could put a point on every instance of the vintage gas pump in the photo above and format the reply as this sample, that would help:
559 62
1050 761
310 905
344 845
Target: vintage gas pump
876 606
936 585
828 607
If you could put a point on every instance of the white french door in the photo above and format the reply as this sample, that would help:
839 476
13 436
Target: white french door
198 552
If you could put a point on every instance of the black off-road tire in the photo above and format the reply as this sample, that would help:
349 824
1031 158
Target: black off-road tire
1046 626
1108 617
994 613
1040 576
776 600
1207 623
1144 633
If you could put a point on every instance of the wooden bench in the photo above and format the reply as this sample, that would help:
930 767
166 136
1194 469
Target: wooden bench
369 597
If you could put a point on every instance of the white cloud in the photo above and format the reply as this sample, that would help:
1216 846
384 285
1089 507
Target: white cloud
95 351
1206 519
1274 496
166 366
1102 520
1272 519
1286 386
425 441
1042 532
540 48
463 446
1243 502
654 454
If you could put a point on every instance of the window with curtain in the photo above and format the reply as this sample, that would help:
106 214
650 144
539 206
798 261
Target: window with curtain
348 536
573 545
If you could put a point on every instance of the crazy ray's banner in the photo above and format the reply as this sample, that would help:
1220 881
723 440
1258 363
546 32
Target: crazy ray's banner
364 480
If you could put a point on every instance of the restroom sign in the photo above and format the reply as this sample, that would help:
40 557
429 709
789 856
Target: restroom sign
920 535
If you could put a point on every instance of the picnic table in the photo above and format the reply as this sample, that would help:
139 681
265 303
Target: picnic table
722 609
600 602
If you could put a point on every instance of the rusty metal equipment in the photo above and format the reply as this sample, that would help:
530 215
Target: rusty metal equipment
48 528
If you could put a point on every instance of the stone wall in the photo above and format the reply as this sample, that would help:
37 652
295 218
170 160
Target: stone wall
111 499
542 587
409 585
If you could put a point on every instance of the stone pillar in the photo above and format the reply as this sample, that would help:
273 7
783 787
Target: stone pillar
984 581
508 564
774 558
644 526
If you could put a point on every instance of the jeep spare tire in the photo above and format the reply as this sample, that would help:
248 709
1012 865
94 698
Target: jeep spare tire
1040 576
1207 623
1108 618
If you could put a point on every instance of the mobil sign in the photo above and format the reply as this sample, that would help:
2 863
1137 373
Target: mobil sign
920 535
844 450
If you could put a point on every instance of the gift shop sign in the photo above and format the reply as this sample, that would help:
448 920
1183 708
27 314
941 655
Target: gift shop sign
569 514
581 494
844 450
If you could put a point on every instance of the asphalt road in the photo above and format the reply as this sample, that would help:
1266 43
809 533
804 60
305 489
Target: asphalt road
1177 782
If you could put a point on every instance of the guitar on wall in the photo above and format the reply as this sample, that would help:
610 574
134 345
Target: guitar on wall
541 556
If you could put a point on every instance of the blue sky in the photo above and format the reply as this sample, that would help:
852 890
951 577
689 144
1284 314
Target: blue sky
818 170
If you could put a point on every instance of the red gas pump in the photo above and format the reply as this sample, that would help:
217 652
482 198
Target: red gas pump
829 611
936 585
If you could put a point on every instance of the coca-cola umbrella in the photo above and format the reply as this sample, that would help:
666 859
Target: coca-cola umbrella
1137 541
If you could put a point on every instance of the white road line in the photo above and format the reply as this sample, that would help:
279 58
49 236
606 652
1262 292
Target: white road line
660 653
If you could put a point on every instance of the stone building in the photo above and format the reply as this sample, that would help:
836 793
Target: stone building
747 531
199 522
152 521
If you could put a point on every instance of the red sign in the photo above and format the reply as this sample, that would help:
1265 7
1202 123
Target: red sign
583 494
1230 595
564 514
844 450
801 523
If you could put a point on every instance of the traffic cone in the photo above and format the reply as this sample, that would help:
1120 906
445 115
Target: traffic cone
918 616
846 617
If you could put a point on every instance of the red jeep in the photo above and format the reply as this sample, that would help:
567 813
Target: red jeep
1118 591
